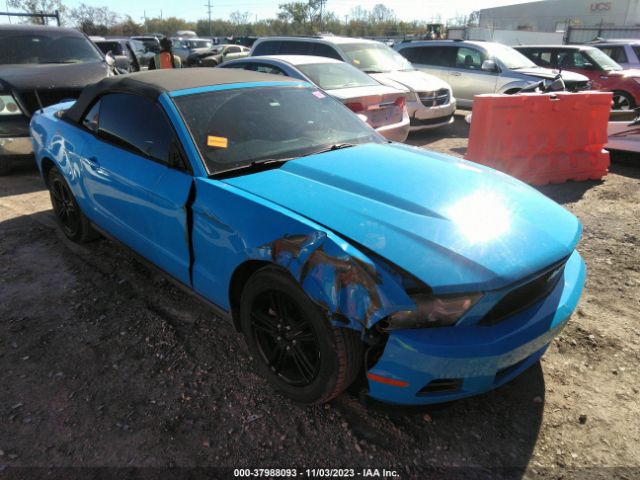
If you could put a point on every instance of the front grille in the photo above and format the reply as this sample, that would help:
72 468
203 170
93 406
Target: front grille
414 122
48 97
434 99
524 296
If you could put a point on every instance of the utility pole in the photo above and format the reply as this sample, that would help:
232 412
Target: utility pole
208 5
322 2
144 17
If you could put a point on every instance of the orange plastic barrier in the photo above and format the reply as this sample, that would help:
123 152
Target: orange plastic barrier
542 138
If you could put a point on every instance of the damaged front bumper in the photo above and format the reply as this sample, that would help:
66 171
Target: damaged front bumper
435 365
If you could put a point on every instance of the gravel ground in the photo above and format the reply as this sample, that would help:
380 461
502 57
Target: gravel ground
103 363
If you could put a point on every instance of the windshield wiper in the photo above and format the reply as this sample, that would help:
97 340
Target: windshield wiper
368 70
59 61
255 165
335 146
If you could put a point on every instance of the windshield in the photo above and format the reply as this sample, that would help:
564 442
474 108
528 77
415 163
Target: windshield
199 43
332 76
114 47
374 57
137 46
603 60
233 128
152 44
510 58
26 48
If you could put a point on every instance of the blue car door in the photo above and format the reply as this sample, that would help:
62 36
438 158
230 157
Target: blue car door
136 181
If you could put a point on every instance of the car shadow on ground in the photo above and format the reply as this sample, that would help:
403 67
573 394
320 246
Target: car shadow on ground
497 430
458 130
568 192
21 180
625 166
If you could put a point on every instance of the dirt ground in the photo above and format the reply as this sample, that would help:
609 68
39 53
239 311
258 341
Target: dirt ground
103 363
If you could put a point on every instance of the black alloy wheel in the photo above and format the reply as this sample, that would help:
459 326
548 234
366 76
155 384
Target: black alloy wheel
74 223
64 206
285 339
293 343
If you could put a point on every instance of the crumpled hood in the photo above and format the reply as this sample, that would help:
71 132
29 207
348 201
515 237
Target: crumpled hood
455 225
549 74
414 80
55 75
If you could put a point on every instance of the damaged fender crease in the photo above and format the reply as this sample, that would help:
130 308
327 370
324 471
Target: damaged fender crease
350 289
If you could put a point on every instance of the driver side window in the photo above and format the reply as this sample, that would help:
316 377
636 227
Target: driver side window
469 59
135 123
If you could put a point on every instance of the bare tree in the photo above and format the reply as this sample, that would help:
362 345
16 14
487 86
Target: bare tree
35 7
93 20
381 14
359 14
474 18
240 18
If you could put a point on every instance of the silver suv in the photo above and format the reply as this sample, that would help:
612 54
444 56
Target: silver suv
625 52
473 68
429 103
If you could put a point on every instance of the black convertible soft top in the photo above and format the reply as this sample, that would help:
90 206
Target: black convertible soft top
154 83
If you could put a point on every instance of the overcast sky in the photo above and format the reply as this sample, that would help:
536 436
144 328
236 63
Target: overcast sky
195 9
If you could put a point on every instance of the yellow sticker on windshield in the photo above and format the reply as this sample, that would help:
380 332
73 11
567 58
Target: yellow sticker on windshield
219 142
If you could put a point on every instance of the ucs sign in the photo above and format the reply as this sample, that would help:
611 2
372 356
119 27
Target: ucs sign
601 7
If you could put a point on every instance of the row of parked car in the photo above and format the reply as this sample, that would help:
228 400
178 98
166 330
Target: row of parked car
414 85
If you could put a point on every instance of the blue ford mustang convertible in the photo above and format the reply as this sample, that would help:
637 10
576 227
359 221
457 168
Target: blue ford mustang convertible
337 254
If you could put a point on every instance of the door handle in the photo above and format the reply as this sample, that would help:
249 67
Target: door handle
455 74
93 162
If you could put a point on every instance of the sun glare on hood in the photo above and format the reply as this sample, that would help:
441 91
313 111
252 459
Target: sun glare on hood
481 217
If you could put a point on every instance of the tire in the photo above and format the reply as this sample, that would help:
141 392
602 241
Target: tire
293 344
74 223
623 101
5 166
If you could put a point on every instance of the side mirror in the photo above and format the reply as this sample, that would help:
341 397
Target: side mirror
362 117
109 59
489 66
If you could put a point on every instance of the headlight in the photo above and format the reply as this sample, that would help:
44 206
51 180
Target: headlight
8 106
433 311
637 79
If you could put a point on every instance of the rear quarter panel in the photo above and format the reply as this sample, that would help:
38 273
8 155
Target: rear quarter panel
62 143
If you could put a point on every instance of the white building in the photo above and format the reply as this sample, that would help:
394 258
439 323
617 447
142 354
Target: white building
556 15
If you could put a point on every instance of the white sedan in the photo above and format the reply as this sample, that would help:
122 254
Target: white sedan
383 107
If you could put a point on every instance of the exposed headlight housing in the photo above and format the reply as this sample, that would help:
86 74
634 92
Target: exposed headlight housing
9 106
433 311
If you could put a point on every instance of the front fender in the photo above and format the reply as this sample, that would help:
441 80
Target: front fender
353 289
518 84
232 227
